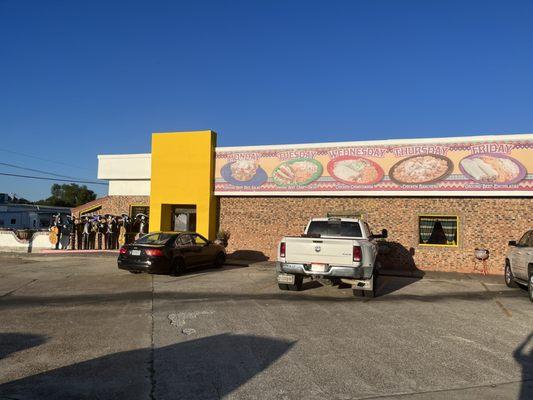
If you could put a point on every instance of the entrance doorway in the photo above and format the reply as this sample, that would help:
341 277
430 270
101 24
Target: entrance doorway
183 218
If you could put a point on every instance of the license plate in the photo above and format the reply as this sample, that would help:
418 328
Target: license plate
288 279
319 267
136 252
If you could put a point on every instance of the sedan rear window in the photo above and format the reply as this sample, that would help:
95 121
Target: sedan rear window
335 228
156 238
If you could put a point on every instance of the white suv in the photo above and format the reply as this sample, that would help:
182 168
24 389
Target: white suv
519 263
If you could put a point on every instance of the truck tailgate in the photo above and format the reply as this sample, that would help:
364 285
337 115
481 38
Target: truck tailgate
319 250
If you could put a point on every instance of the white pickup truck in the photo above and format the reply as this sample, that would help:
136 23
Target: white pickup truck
331 248
519 263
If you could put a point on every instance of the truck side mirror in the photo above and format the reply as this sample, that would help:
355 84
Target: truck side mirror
384 233
512 243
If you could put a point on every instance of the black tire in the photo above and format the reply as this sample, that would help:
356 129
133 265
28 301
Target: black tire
508 275
530 283
178 267
220 259
283 286
298 282
135 272
374 292
370 294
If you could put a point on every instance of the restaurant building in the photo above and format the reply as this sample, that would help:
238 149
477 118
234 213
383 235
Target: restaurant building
439 199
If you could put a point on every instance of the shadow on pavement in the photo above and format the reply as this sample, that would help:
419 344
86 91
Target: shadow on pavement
248 255
12 342
389 284
212 296
207 368
524 357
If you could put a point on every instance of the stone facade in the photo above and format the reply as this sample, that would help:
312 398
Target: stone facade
258 223
114 205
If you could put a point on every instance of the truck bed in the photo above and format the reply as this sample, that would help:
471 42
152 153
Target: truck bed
308 250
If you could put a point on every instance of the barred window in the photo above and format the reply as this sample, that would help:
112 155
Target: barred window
438 230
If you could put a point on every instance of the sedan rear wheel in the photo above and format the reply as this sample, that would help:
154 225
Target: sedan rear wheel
178 267
220 260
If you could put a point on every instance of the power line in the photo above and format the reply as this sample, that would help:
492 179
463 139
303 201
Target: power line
43 159
53 179
39 171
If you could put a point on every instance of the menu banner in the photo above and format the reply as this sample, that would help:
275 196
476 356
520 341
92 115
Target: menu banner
482 165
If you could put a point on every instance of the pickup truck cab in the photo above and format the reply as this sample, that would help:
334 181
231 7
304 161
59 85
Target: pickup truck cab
330 248
519 263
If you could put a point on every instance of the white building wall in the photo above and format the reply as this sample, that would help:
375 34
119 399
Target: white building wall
128 174
124 166
129 188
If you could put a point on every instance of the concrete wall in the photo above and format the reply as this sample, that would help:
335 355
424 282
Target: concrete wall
258 223
9 242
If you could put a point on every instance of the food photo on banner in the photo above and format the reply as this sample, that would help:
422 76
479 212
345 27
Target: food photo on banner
402 166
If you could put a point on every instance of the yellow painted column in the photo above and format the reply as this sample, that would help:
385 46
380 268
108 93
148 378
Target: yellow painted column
183 172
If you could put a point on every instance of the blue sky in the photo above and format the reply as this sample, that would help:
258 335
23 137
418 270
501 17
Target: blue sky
81 78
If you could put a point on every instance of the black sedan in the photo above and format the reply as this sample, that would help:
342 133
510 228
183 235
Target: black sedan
170 252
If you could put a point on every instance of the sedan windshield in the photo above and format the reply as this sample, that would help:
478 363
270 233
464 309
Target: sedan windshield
335 228
156 238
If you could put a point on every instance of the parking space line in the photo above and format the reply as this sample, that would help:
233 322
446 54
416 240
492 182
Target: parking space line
505 310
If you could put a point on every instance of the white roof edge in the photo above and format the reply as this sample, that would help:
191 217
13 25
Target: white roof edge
140 155
513 136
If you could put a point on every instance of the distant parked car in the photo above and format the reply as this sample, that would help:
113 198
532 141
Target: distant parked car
170 252
519 263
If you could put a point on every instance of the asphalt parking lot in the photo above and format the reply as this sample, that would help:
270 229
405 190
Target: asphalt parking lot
77 327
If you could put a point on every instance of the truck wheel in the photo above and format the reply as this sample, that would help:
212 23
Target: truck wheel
373 293
298 282
283 286
530 283
508 275
368 293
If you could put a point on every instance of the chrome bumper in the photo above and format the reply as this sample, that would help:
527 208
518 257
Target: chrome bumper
333 271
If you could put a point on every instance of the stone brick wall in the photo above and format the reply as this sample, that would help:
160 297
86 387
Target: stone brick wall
258 223
115 205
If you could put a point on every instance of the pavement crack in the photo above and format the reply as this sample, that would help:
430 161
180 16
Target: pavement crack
458 389
151 368
18 288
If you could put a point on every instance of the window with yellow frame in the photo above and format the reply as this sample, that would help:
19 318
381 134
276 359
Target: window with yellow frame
438 230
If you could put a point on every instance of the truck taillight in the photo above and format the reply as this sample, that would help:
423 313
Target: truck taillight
282 249
123 250
154 252
356 253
